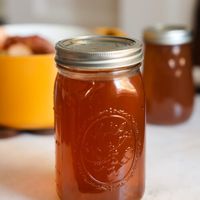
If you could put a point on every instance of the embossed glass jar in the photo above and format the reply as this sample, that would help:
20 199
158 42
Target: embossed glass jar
99 119
168 74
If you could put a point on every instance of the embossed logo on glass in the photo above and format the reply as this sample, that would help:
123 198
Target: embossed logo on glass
109 149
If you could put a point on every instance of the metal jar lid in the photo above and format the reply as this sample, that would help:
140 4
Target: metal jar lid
168 35
98 52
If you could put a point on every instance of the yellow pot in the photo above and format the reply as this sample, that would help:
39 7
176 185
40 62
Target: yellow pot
26 91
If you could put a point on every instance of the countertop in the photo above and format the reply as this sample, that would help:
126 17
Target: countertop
173 163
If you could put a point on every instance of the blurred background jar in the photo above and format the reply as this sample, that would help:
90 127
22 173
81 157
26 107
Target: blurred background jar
168 74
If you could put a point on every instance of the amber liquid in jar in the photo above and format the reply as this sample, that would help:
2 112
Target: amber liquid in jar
168 83
99 122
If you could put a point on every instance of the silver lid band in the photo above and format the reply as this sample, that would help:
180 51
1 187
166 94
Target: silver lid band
98 52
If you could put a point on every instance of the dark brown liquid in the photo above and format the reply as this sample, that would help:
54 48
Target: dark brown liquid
168 83
99 138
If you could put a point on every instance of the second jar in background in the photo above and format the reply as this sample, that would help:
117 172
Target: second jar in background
168 74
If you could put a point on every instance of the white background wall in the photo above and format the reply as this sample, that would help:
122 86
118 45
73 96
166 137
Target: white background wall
134 15
90 13
131 15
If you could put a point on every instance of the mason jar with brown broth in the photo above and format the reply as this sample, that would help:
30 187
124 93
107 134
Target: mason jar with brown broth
168 74
99 119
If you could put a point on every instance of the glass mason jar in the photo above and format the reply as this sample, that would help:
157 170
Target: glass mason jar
99 119
168 74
